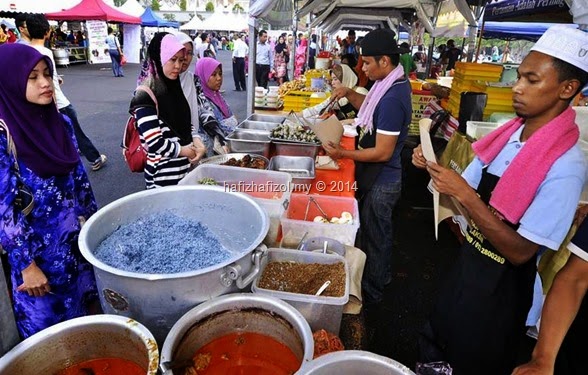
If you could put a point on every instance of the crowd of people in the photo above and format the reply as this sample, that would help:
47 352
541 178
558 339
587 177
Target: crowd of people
520 191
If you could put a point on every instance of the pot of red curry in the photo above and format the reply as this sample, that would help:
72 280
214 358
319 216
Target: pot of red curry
97 344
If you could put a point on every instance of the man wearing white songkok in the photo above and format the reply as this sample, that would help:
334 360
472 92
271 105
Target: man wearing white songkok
521 192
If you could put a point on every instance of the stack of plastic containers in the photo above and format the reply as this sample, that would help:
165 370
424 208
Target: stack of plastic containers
464 79
499 97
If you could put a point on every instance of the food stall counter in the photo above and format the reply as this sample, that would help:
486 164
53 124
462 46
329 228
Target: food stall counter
338 182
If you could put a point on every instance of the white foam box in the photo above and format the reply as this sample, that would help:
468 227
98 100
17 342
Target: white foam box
320 312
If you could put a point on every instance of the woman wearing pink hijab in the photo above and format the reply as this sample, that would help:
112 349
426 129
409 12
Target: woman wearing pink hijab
210 74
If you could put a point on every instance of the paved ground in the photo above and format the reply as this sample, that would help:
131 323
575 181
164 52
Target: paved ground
102 101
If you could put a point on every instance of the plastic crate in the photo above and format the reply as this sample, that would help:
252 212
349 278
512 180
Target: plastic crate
316 73
478 129
294 226
299 100
270 189
320 312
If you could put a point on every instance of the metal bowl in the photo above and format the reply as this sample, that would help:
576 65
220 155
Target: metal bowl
220 159
82 339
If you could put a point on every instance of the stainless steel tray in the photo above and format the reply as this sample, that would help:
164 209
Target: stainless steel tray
280 140
266 118
296 149
257 125
249 141
220 159
301 168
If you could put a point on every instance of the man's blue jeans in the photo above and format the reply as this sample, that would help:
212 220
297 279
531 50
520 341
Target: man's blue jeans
115 58
376 234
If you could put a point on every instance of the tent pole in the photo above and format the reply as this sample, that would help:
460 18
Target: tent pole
429 63
251 78
480 40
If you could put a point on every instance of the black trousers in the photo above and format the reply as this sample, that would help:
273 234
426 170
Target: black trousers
84 143
239 73
261 74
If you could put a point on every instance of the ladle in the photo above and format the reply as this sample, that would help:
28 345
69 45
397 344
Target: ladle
323 287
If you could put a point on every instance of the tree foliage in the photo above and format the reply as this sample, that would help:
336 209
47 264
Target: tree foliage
209 7
169 16
183 5
155 4
238 8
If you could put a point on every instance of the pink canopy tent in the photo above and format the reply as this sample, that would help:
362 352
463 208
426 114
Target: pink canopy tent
93 10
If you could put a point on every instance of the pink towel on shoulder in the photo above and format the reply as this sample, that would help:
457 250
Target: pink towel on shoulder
518 185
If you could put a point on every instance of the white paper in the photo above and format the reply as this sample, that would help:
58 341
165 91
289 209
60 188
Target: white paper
429 154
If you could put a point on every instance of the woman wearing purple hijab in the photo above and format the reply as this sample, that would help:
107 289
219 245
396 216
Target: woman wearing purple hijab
210 75
51 281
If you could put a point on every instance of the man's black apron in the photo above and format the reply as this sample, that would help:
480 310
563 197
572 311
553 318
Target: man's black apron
366 173
479 318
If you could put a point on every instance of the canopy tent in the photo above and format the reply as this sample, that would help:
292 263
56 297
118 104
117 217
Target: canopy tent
222 21
194 24
93 10
132 7
516 30
148 18
9 8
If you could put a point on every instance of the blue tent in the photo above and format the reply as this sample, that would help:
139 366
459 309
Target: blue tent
516 30
148 18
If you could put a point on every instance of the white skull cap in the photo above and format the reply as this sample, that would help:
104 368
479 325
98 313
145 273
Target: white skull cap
565 43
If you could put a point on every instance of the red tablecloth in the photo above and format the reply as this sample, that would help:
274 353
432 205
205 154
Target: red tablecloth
448 127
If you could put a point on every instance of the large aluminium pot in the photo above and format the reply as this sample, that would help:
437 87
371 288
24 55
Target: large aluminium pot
351 362
159 300
244 312
82 339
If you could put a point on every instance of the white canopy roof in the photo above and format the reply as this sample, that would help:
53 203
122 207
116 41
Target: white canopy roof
132 7
224 21
337 14
35 6
194 24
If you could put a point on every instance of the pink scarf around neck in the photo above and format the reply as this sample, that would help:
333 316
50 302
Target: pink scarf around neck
365 116
518 186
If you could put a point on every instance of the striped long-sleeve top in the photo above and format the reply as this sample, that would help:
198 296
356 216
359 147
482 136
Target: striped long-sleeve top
164 166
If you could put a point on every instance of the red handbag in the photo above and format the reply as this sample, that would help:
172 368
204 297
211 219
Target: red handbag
133 151
123 60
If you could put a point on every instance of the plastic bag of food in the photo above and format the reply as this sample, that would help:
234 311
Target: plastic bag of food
434 368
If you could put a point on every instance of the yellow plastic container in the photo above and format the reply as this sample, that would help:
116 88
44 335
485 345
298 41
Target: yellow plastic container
299 100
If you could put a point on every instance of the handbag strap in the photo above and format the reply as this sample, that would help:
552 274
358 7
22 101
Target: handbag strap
149 92
11 148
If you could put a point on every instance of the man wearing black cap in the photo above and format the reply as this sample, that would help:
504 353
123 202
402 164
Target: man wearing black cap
384 116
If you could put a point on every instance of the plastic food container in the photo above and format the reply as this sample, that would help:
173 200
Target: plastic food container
270 189
320 312
294 226
478 129
301 168
249 141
